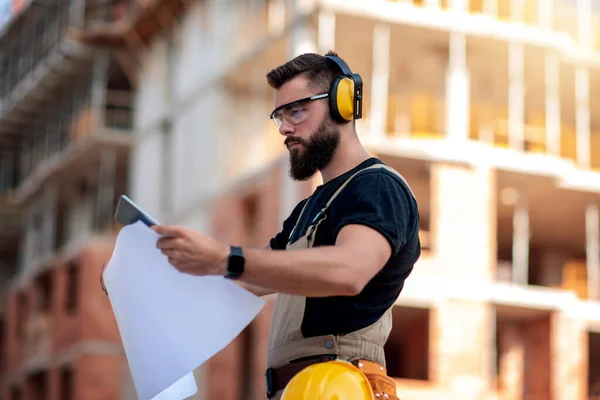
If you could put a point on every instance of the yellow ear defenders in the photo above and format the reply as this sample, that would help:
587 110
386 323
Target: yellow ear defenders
345 94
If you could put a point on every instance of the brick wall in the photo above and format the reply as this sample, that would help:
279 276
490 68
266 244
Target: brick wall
98 377
537 359
97 318
461 351
224 371
528 359
463 235
77 329
511 361
569 346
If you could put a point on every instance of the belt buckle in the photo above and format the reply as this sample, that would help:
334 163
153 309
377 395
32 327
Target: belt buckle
269 382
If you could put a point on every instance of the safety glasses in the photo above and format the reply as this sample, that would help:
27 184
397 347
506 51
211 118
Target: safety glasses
294 112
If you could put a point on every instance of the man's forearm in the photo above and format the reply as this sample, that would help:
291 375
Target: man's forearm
256 290
315 272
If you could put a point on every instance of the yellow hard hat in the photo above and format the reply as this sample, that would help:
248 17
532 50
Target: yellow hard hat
332 380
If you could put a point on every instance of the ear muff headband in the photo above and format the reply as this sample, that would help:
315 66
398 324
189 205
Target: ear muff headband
345 94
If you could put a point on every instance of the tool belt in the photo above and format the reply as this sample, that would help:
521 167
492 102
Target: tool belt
382 385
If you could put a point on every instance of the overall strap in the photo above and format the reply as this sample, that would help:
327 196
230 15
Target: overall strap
303 209
337 192
299 218
314 225
393 171
320 213
317 219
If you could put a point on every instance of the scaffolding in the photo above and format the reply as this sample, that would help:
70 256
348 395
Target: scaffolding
37 57
66 112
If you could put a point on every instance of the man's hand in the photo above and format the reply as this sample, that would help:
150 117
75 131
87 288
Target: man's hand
192 252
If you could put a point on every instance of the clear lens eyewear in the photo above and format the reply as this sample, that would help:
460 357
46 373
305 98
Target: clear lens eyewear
293 112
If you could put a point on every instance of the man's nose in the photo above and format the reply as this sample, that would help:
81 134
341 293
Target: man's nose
286 128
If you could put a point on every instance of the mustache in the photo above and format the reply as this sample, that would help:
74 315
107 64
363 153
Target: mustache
292 140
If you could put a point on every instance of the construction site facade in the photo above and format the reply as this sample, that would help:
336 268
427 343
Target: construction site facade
65 132
486 107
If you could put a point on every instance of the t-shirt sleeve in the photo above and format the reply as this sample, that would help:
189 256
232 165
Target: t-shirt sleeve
279 241
380 201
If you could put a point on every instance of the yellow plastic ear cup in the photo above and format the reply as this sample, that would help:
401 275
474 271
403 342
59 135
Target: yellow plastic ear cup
345 98
332 380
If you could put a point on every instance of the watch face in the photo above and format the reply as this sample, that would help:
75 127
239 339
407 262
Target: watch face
236 264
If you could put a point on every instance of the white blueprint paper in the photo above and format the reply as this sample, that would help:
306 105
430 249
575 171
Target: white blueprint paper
170 322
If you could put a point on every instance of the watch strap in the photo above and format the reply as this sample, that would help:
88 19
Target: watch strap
235 263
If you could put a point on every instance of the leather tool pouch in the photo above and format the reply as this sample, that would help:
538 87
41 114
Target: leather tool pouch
384 385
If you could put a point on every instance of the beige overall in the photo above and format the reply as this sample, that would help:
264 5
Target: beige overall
285 337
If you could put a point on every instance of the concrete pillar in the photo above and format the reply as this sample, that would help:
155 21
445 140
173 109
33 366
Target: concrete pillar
492 335
552 104
545 14
303 36
457 89
459 5
432 3
166 184
326 39
490 7
106 188
592 231
582 116
517 10
28 241
472 209
520 247
461 349
98 89
276 17
584 23
569 357
48 232
303 40
380 80
76 13
511 362
516 96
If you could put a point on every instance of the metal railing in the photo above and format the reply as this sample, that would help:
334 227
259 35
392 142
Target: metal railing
420 115
118 109
559 15
28 42
74 118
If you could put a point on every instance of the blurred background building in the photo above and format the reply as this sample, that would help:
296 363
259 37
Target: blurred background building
485 106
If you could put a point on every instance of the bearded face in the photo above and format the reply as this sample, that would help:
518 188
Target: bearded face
312 155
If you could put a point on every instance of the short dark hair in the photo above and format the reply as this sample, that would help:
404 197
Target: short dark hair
319 71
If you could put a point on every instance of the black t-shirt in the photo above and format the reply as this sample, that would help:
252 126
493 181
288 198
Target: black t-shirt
376 198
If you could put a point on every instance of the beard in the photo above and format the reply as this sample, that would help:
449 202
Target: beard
316 153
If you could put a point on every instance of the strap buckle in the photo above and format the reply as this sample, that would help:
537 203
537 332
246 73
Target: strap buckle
269 382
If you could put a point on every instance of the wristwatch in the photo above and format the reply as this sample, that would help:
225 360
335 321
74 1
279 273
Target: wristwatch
235 263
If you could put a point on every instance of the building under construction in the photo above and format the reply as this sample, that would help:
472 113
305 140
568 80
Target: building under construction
485 106
65 133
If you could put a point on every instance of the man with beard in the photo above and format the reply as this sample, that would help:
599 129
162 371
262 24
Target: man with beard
342 256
